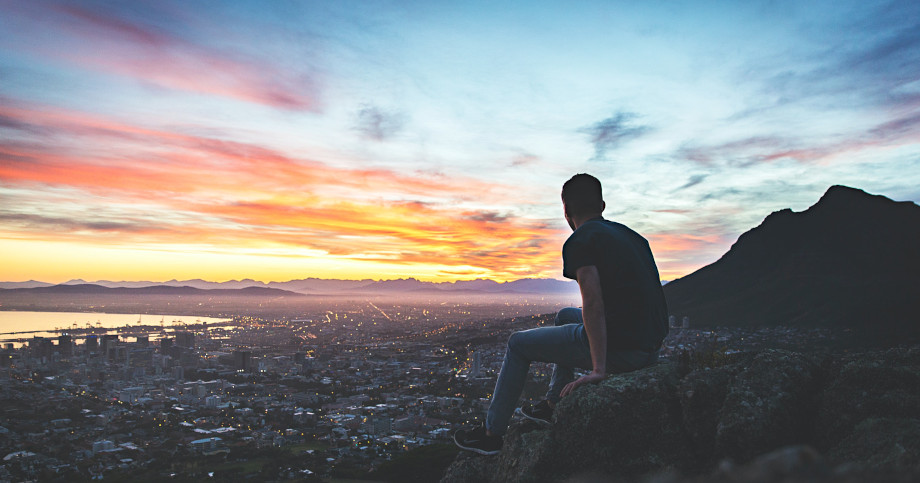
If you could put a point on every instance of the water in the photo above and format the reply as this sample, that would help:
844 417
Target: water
15 325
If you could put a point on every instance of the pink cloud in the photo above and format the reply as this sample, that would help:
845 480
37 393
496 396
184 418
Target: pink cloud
100 39
900 131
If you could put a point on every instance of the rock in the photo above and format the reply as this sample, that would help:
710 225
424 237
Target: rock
628 425
756 414
702 393
791 462
794 464
880 385
770 404
881 443
470 467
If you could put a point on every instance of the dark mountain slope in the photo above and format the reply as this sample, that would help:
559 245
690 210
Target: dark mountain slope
850 260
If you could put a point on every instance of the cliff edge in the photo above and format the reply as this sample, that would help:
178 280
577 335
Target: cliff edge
763 416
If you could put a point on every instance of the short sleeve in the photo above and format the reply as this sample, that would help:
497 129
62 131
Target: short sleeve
577 252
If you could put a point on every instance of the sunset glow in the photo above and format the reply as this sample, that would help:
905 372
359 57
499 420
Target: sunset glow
277 141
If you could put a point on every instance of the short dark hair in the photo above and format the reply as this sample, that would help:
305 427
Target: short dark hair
582 195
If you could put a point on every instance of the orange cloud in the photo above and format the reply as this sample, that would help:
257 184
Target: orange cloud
193 190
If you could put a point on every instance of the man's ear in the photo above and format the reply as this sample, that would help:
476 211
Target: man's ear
603 206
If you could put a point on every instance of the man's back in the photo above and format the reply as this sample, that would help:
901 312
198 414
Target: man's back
636 311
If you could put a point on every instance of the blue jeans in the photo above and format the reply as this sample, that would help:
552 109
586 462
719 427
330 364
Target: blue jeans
566 345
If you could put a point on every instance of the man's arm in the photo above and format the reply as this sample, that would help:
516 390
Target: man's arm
589 282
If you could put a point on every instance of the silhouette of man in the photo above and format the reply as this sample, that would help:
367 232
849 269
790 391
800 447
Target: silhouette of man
619 328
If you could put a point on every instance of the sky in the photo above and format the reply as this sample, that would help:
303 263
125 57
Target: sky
158 140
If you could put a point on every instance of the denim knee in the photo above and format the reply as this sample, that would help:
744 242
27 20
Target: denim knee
568 315
513 340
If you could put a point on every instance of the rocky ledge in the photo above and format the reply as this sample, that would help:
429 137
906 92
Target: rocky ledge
770 416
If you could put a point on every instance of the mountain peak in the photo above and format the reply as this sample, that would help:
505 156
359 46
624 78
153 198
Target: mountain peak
848 260
843 197
841 190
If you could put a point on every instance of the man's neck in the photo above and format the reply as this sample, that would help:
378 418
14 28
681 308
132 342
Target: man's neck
581 220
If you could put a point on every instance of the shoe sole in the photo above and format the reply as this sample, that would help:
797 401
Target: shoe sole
476 450
544 422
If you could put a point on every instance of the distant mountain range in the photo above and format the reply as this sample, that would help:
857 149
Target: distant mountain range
851 260
310 286
93 289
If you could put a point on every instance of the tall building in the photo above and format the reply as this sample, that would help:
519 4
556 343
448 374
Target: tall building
476 369
185 339
41 348
65 345
91 344
165 344
109 341
242 361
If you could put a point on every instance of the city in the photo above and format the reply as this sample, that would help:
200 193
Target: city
335 393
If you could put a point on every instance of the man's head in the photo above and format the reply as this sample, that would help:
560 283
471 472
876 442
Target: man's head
582 198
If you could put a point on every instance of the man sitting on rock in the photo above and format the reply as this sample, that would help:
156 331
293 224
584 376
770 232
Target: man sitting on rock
619 328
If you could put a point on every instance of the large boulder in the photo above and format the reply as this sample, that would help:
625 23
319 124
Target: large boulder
874 385
883 443
769 405
859 410
702 393
628 425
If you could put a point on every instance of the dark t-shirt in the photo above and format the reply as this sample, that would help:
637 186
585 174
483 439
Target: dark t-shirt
634 303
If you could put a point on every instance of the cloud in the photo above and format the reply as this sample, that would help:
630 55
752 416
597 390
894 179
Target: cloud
611 133
738 152
378 125
41 224
889 58
871 61
158 47
524 159
693 181
487 216
261 197
903 130
906 127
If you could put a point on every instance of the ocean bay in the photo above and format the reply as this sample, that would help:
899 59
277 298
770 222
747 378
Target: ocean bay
16 325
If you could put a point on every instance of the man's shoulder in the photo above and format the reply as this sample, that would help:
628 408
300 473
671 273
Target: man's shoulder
603 227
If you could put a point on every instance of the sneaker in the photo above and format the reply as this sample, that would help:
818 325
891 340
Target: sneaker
540 412
478 441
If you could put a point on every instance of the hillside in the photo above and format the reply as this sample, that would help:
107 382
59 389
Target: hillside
851 260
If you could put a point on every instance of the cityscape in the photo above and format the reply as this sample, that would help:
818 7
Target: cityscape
329 394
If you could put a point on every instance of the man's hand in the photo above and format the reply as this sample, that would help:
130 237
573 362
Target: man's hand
592 378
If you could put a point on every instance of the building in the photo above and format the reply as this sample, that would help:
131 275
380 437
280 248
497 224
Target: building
92 343
165 345
476 369
65 345
242 361
206 445
185 339
104 445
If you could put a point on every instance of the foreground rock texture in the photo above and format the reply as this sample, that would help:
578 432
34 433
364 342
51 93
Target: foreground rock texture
665 422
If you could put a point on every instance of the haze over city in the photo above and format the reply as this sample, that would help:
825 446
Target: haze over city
351 140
